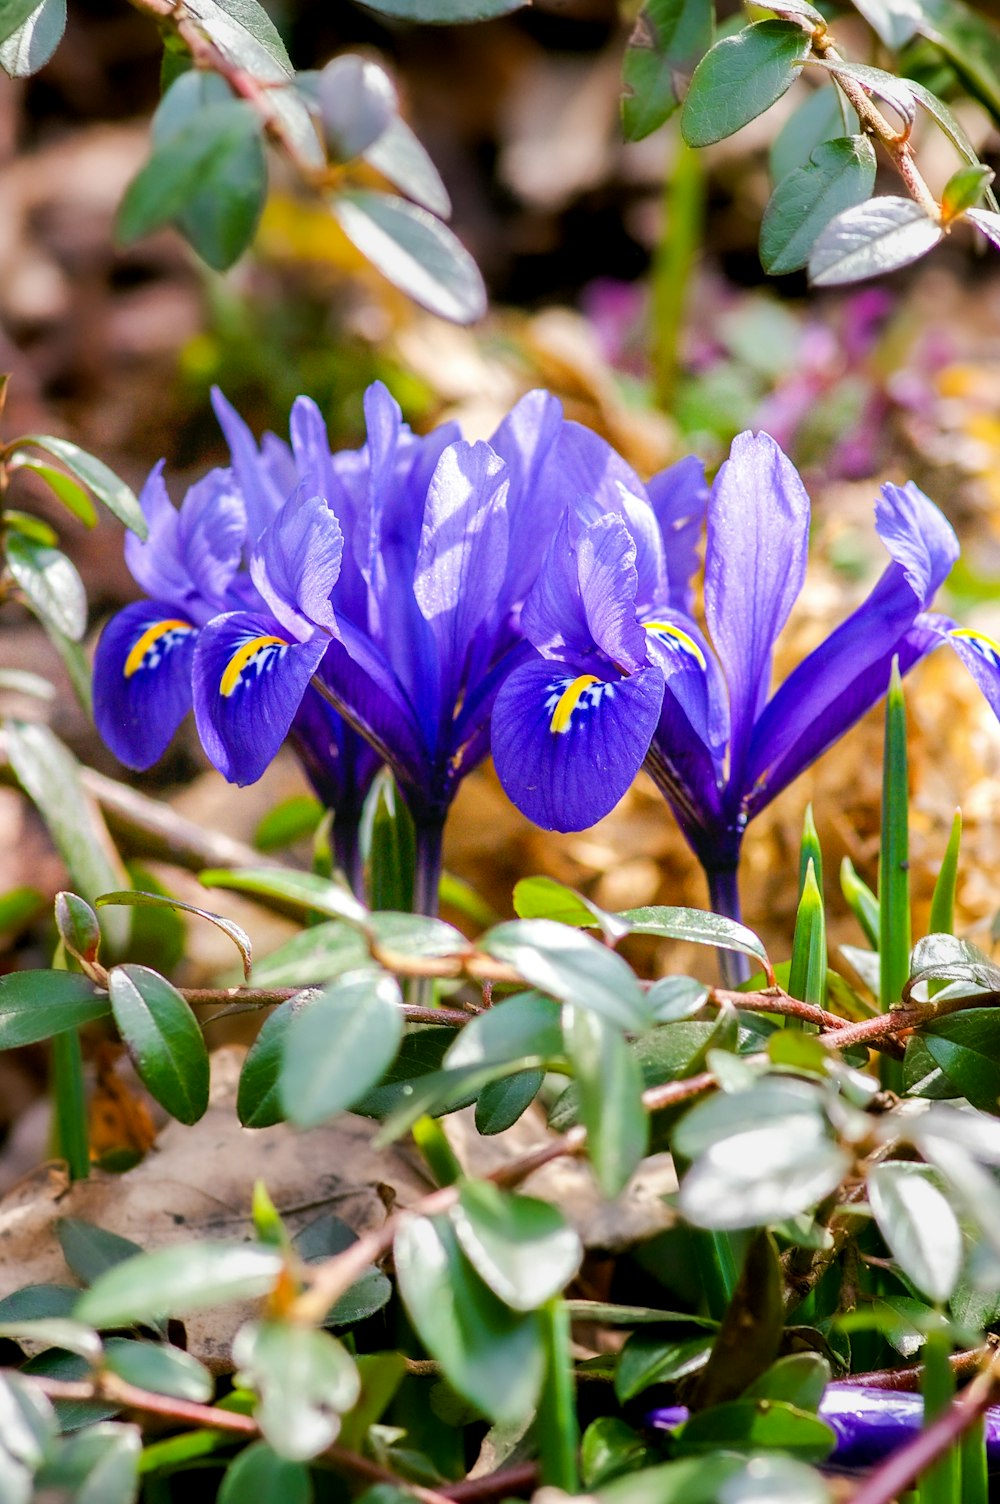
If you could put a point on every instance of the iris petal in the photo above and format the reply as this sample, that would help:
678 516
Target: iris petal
142 680
297 563
567 744
249 680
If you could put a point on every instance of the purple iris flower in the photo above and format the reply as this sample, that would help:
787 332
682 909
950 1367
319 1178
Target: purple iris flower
250 560
622 674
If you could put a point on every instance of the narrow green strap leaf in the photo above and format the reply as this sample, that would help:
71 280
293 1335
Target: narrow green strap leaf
894 858
861 901
810 851
109 489
63 486
556 1424
807 979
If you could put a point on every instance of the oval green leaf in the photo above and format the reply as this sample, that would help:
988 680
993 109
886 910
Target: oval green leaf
119 498
521 1247
340 1046
177 1279
570 966
415 251
35 1005
50 584
839 174
163 1039
871 239
741 77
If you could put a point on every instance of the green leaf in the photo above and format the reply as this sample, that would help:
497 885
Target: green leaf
807 976
944 957
163 1039
544 898
236 933
56 1331
521 1247
258 1098
78 928
494 1358
609 1082
178 1279
13 14
357 99
860 900
50 584
38 1302
112 492
942 916
756 1425
392 848
63 486
894 91
98 1465
571 967
50 776
160 1368
751 1330
692 1481
340 1046
304 889
210 178
610 1449
443 12
698 927
674 999
670 38
952 128
919 1226
306 1379
327 1236
288 822
259 1473
313 955
27 1422
90 1251
964 189
798 1379
894 22
415 251
400 157
35 1005
501 1103
650 1359
419 1057
970 43
741 77
988 224
18 907
871 239
525 1024
839 174
967 1048
32 45
823 115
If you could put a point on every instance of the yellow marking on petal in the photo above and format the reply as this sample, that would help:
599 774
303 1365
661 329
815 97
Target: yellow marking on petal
687 643
151 635
240 659
978 639
568 701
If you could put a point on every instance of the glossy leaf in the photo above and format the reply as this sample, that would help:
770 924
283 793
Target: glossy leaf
952 128
399 156
444 12
305 1378
698 927
970 43
50 584
90 1251
545 898
669 39
29 48
161 1368
895 22
525 1024
236 933
35 1005
807 976
13 14
313 955
112 492
27 1422
258 1097
177 1279
258 1472
741 77
56 1331
210 178
838 175
357 100
860 900
649 1359
77 924
305 890
38 1302
490 1355
340 1046
964 189
72 495
415 251
100 1462
609 1086
521 1247
392 851
889 88
750 1426
571 967
987 223
163 1039
967 1048
945 957
50 776
501 1103
919 1226
871 239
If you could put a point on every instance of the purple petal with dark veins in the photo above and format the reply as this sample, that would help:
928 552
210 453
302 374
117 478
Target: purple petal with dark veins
605 555
679 498
142 680
758 536
297 563
254 476
249 679
567 745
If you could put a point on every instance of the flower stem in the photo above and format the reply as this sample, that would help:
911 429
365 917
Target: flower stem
674 263
724 897
427 873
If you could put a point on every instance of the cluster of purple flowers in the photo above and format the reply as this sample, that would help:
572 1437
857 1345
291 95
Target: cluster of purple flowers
414 601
